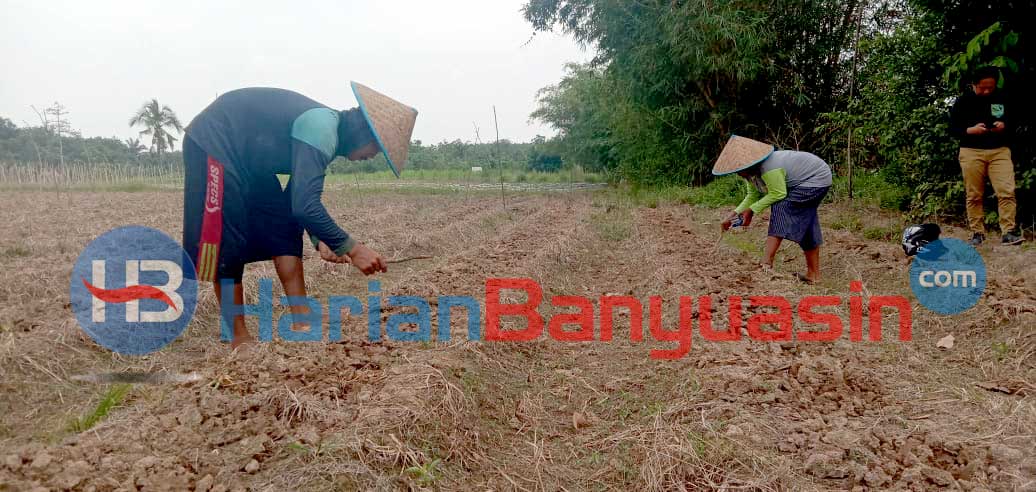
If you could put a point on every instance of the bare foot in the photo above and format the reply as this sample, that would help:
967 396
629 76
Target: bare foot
243 343
806 279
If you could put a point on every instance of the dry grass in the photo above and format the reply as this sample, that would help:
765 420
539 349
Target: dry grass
541 415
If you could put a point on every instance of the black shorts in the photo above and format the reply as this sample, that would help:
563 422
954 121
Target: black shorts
256 220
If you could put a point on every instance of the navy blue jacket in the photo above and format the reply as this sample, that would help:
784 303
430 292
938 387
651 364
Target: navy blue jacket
265 131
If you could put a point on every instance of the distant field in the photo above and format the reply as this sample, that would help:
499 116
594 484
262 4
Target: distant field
125 177
468 176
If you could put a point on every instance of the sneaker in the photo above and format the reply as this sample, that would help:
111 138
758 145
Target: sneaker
1011 239
977 239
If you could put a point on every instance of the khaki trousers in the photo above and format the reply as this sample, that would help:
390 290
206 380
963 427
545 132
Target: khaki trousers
977 164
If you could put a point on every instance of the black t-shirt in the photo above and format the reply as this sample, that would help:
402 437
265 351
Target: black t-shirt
970 110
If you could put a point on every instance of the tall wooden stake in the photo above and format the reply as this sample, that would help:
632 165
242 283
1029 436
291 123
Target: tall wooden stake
499 163
852 92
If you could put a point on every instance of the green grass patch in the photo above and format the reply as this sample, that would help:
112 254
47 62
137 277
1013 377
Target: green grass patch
720 192
726 191
614 224
1001 350
111 398
744 243
426 474
471 381
487 175
653 196
847 222
871 187
17 251
885 233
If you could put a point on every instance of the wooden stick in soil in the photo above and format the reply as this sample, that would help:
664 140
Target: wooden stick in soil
404 260
499 163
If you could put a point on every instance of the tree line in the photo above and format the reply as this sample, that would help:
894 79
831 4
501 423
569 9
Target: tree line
54 142
865 82
538 155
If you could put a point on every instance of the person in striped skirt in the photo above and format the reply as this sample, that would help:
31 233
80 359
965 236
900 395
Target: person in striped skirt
791 184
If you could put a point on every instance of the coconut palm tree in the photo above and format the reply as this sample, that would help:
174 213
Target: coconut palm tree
134 146
155 119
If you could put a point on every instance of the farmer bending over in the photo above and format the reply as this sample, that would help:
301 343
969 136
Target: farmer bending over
235 210
792 183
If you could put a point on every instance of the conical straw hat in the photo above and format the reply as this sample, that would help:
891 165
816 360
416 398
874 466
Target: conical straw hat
391 122
739 154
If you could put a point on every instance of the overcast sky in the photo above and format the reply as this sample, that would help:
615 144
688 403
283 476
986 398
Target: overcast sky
451 59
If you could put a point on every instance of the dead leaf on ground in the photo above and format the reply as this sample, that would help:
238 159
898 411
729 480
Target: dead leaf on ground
946 342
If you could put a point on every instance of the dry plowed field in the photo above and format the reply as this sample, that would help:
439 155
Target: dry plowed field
540 415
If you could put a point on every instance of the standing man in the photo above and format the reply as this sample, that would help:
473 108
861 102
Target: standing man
235 211
980 120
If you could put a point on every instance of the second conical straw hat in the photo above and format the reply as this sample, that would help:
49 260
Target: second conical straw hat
741 153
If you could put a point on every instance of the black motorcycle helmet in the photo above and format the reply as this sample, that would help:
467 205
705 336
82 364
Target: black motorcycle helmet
918 236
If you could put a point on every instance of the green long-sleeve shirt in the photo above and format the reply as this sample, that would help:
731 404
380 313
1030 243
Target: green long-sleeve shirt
784 170
776 190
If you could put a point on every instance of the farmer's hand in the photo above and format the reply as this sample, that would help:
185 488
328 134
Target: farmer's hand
747 216
999 126
367 260
979 129
729 221
328 255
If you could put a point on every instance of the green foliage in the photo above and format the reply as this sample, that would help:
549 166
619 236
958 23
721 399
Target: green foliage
912 72
869 81
458 157
722 192
43 147
990 47
873 187
578 108
544 156
673 79
155 119
425 474
544 162
455 155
